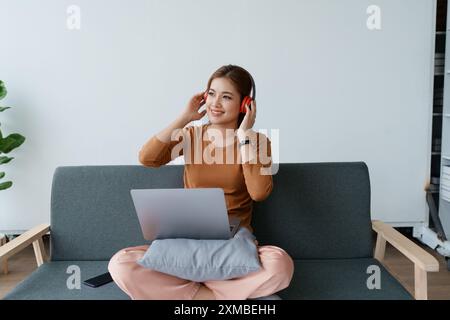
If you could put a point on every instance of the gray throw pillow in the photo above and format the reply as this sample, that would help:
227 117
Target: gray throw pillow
202 260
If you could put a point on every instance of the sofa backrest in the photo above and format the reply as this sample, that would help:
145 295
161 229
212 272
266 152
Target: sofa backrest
318 211
315 211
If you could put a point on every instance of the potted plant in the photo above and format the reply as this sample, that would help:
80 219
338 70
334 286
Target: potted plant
7 144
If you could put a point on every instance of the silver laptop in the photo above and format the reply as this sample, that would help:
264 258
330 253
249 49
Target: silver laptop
194 213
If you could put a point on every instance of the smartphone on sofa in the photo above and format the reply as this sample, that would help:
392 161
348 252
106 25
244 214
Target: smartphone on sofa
98 281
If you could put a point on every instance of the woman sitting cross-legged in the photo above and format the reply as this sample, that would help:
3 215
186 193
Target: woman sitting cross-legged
217 155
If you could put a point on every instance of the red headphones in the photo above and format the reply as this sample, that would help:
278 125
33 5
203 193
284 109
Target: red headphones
246 100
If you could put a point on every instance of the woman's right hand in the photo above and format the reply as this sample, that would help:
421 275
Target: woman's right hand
190 113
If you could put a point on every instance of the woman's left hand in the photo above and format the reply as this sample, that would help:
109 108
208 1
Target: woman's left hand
249 118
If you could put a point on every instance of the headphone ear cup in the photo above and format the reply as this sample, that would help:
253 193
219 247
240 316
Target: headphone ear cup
242 108
244 102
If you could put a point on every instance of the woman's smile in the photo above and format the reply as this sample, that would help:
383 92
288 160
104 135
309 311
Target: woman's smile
216 112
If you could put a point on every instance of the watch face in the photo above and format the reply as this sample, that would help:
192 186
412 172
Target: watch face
242 143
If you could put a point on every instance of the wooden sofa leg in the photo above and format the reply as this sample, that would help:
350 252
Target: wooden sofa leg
420 283
4 264
380 248
39 251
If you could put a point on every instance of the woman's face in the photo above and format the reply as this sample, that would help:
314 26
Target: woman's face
222 103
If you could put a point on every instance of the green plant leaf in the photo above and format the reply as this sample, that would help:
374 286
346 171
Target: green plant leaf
4 159
11 142
5 185
4 108
3 91
2 174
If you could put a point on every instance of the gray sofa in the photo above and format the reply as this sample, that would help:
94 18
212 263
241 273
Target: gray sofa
318 212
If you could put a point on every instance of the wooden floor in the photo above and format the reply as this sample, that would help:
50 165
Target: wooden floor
21 265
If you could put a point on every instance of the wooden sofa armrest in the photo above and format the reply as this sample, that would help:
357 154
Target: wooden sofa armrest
423 261
32 236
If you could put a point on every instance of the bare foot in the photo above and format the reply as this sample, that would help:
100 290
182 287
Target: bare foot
204 293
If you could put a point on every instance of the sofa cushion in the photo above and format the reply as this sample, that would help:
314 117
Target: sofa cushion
202 260
49 282
317 211
92 213
313 279
341 279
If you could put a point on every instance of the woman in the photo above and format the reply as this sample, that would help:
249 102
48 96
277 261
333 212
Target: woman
217 142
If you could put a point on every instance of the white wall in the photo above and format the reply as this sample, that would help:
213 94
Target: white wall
336 90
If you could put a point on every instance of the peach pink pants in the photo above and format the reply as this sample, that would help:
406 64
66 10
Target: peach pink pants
143 283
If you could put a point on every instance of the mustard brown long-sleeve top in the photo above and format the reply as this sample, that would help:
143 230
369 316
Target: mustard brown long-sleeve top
242 183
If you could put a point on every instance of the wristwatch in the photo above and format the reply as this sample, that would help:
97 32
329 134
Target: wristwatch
244 142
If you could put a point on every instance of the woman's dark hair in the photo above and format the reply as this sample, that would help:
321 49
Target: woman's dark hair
241 80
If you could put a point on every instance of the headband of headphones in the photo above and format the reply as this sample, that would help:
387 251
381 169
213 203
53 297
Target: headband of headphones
253 87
